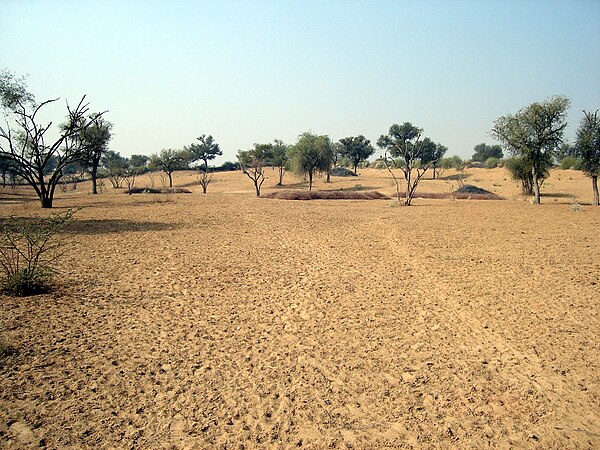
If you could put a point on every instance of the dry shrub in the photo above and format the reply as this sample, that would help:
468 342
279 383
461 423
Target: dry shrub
326 195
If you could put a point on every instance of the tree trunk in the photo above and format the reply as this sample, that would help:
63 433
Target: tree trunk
434 172
355 166
310 177
280 176
595 189
536 187
257 187
94 179
170 180
328 179
46 201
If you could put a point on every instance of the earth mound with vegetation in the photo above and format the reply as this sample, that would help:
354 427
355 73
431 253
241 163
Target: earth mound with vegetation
342 172
327 195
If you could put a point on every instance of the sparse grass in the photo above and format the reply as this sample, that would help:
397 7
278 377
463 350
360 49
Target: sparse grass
327 195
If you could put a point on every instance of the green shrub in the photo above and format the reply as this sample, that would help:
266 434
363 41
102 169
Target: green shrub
571 162
27 248
492 163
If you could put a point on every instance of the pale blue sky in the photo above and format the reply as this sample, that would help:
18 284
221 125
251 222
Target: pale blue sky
252 71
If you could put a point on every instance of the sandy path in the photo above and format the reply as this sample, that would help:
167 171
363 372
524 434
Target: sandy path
225 321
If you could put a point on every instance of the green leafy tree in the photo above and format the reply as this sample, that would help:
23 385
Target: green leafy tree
96 137
432 153
253 162
206 150
311 154
356 149
140 162
113 167
588 148
169 160
534 134
279 158
483 152
403 148
564 151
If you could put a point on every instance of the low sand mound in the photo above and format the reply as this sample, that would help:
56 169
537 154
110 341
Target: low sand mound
159 191
326 195
342 172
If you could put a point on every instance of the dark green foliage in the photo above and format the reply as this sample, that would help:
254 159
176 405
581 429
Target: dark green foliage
571 162
483 152
356 149
534 134
521 170
311 154
27 249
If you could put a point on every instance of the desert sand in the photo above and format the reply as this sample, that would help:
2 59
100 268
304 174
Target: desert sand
229 321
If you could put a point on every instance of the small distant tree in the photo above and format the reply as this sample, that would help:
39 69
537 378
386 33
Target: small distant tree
113 167
206 150
356 149
311 154
588 148
432 153
534 134
279 158
483 152
566 150
169 160
140 162
96 138
403 148
252 163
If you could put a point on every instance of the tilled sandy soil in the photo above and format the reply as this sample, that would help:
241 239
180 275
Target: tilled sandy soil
228 321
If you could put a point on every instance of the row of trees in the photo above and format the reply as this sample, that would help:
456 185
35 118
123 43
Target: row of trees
534 136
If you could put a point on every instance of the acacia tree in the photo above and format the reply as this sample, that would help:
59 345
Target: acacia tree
252 163
432 153
534 133
29 148
588 148
113 167
403 148
96 138
279 158
169 160
356 149
312 153
205 151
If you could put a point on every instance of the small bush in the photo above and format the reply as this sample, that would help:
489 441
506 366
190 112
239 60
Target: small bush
571 162
492 163
26 250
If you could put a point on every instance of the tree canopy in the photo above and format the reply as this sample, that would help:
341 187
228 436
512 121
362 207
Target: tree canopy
253 161
356 149
534 133
484 151
312 153
588 148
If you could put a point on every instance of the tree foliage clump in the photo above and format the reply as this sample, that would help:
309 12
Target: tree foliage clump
253 162
205 150
356 149
483 152
588 149
404 148
169 160
311 154
520 169
534 134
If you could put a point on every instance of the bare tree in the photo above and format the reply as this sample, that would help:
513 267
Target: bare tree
253 162
28 147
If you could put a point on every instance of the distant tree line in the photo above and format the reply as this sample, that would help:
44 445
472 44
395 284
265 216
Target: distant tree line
533 137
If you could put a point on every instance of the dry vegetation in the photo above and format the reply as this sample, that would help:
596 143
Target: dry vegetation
229 321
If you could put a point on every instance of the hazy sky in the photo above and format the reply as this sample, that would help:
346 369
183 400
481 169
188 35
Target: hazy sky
252 71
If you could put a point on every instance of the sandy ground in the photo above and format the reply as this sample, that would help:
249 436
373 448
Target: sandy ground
228 321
